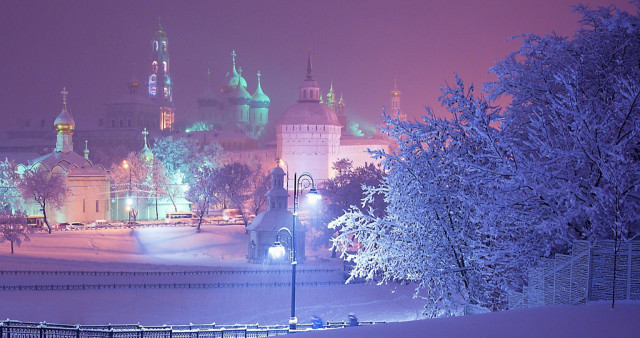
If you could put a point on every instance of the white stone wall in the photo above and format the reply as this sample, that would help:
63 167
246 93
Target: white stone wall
309 148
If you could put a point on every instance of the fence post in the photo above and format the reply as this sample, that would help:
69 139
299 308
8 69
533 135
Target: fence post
629 260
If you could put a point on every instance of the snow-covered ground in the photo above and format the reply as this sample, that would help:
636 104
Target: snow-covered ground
219 253
182 249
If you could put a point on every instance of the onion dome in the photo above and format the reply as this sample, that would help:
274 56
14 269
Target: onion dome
235 77
240 95
259 99
64 123
331 98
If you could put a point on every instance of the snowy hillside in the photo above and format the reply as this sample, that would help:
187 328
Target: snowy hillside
216 255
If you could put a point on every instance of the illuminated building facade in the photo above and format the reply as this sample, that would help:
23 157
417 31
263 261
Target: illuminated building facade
89 187
160 85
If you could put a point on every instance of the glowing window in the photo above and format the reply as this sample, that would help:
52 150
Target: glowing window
164 64
164 46
155 45
154 66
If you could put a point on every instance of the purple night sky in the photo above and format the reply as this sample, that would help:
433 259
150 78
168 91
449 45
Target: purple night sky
94 47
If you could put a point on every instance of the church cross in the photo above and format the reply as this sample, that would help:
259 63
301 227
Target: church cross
145 133
64 93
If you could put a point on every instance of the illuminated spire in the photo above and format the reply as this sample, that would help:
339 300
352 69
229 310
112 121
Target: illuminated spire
64 93
146 154
144 134
331 98
86 149
233 58
309 66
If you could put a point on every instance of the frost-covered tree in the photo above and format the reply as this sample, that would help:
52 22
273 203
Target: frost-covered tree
183 157
474 199
9 195
447 225
13 228
345 190
574 124
47 189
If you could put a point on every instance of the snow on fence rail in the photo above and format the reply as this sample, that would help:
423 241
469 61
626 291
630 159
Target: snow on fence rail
217 285
585 275
161 273
11 328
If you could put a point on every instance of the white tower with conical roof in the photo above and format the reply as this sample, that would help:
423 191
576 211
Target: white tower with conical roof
308 132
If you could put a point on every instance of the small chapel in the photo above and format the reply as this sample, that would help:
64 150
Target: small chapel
88 184
274 224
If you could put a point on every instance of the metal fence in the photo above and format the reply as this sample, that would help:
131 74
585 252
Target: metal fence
217 285
585 275
17 329
164 273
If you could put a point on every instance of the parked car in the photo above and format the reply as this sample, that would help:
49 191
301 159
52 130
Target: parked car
75 225
100 223
62 226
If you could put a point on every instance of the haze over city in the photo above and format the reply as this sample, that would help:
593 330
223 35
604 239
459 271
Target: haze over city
94 48
178 163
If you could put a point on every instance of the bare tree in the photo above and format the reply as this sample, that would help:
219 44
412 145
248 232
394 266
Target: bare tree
202 191
232 182
47 189
14 228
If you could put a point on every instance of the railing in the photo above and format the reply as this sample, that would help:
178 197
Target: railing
161 273
585 275
17 329
65 287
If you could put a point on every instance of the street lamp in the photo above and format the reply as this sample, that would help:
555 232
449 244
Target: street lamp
300 183
125 164
278 250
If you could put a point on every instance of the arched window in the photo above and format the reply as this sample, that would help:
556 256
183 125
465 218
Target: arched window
154 66
153 78
164 46
155 45
164 63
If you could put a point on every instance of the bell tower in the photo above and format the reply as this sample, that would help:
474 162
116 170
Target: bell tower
160 84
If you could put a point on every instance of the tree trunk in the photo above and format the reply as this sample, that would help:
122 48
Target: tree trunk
157 218
44 214
12 247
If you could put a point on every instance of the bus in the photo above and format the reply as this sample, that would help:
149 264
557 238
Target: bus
35 221
181 217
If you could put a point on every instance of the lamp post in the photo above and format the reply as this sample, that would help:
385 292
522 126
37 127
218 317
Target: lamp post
300 183
125 164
